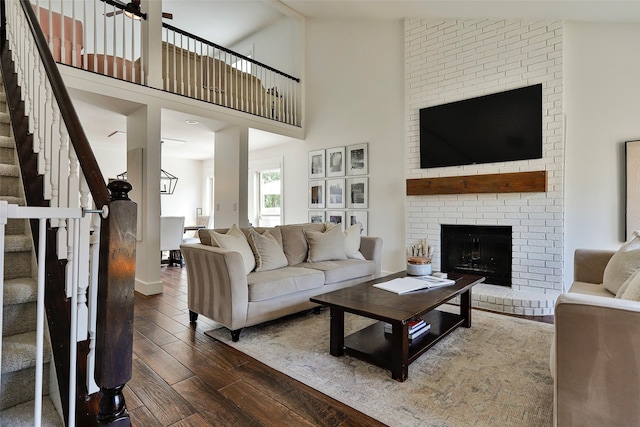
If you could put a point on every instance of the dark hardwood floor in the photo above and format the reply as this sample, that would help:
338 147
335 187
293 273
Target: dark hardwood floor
182 377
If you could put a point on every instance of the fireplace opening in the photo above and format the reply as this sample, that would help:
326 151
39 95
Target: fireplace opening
477 249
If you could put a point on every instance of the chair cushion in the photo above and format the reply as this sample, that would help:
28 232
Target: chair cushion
590 289
270 284
268 252
339 271
325 246
235 240
622 265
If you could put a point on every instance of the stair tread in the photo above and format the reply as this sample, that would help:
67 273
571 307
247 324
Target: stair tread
22 415
5 118
19 352
17 243
20 290
7 142
13 200
9 170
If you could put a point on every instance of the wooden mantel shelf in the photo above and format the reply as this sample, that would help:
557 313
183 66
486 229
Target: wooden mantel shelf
517 182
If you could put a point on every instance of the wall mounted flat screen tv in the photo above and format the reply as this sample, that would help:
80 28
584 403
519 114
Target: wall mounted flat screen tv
500 127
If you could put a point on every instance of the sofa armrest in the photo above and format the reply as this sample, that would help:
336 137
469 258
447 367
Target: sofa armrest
597 361
217 284
589 264
371 249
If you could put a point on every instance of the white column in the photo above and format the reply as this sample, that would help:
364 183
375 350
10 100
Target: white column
143 172
231 168
152 42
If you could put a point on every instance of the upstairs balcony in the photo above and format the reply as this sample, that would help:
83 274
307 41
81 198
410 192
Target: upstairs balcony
123 42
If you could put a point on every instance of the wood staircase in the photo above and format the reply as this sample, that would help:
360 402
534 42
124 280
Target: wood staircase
20 293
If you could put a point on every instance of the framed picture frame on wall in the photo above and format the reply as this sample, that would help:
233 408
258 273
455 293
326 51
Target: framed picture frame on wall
316 164
316 194
336 161
335 193
358 193
357 159
316 216
357 217
632 183
336 217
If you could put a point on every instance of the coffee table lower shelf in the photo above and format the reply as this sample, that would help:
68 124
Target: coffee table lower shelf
371 345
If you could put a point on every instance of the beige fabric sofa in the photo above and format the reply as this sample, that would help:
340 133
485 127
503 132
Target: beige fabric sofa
220 288
595 358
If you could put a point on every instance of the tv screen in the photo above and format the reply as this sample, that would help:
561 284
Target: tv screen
499 127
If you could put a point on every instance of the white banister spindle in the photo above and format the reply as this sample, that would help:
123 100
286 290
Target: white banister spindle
63 190
63 35
94 252
46 125
73 333
37 407
83 253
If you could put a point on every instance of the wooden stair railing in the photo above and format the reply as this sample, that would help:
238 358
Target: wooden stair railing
116 271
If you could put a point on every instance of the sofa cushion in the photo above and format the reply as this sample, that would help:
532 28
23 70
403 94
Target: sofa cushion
235 240
339 271
325 246
622 265
268 252
630 290
294 243
265 285
590 289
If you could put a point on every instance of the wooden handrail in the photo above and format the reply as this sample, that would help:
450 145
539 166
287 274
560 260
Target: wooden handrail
87 160
224 49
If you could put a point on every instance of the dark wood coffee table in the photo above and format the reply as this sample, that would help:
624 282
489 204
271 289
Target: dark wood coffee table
396 352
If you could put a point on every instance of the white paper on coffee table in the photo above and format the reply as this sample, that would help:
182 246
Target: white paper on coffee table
408 284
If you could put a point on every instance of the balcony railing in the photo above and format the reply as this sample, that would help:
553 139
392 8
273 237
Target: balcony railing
104 37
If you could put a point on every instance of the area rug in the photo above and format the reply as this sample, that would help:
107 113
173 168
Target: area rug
494 374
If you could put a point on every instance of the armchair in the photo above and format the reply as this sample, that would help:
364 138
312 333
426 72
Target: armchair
595 357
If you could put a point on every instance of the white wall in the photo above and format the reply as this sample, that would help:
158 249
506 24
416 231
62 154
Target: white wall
277 46
355 94
602 89
189 193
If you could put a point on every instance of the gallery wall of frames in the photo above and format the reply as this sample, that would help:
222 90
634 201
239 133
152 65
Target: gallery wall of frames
339 185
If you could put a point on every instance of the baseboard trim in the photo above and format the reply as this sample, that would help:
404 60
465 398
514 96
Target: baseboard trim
148 288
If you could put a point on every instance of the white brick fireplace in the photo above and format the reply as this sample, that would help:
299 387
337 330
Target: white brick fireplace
451 60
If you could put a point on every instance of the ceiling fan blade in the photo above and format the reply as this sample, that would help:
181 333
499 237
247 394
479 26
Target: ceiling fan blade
110 14
167 15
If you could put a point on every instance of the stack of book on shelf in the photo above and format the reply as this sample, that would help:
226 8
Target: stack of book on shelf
417 328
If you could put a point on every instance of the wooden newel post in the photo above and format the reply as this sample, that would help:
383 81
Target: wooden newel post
116 281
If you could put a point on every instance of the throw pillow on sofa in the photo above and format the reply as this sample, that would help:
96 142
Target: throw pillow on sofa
268 252
352 242
630 290
235 240
325 246
622 265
